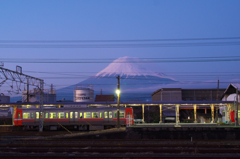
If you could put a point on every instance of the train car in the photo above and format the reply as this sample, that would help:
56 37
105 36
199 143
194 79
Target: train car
72 118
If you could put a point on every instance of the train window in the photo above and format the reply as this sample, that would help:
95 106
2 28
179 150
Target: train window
52 115
87 115
37 115
121 115
32 116
110 114
71 115
94 114
19 115
100 114
66 115
105 114
76 115
80 115
26 115
46 115
60 115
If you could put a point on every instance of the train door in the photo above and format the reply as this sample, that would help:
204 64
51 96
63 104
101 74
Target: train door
107 116
36 118
74 116
129 116
18 117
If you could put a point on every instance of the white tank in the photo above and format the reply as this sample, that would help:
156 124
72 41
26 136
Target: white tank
83 94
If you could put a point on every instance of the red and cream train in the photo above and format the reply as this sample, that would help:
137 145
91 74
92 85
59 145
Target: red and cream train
76 118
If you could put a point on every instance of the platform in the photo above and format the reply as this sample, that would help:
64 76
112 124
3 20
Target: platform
208 131
144 125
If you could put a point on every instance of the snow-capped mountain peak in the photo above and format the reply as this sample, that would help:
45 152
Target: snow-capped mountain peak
127 66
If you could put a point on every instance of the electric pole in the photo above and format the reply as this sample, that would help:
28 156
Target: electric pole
216 120
118 95
27 90
236 121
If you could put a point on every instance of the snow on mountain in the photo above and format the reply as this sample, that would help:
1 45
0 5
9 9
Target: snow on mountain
125 67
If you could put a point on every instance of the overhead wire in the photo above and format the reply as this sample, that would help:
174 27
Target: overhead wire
124 43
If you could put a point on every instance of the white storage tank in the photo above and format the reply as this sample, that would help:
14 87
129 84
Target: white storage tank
83 94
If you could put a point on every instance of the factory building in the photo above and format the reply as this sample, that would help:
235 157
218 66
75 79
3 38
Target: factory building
34 95
104 98
4 99
178 94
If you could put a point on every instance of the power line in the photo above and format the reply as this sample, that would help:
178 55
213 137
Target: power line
130 60
114 41
79 46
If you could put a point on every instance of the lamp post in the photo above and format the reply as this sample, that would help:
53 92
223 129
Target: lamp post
118 94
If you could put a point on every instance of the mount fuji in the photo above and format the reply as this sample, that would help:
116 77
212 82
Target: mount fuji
136 82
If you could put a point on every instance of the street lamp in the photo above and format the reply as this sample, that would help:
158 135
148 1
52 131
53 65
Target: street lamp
118 94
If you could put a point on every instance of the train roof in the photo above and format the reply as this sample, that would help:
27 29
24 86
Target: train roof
129 103
74 109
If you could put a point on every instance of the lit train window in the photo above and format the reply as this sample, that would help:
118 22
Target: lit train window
76 115
80 115
19 115
121 115
61 115
32 116
37 115
105 114
94 114
100 114
26 115
71 115
46 115
110 114
67 115
52 115
87 115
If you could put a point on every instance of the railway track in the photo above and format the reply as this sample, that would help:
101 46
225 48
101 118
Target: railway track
70 148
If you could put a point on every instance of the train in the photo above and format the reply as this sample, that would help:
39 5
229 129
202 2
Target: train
73 118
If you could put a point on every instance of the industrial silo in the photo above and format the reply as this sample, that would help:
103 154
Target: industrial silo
83 93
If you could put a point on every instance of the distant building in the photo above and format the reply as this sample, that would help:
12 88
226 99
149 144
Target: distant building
178 94
230 93
105 98
34 96
4 99
167 94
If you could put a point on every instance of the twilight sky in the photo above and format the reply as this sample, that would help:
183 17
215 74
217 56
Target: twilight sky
119 20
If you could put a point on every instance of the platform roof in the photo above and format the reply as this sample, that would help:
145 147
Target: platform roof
132 103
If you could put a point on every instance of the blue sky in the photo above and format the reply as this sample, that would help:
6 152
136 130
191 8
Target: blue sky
114 20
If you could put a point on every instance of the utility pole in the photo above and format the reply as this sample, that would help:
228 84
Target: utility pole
118 95
216 120
27 90
236 121
41 107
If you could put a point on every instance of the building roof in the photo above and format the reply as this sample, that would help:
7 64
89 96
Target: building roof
231 89
166 89
105 98
172 89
